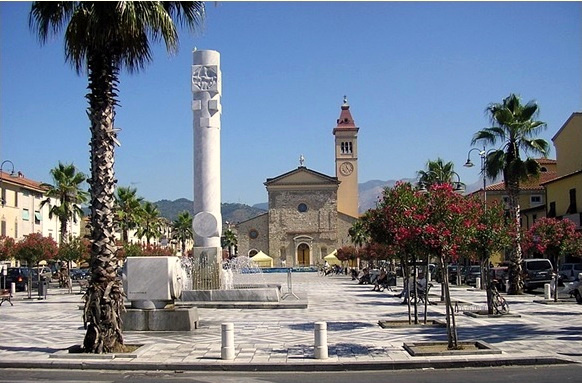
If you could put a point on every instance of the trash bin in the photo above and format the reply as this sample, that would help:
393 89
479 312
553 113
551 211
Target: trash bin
42 287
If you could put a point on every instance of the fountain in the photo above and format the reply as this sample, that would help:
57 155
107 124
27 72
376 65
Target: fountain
241 280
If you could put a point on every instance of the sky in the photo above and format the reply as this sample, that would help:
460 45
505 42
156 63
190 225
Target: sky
418 77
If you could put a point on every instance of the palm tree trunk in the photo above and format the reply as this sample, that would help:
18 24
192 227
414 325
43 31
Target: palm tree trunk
515 283
104 296
63 230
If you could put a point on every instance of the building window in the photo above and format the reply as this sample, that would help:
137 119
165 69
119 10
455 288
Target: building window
302 208
552 211
15 229
346 147
3 228
25 215
535 199
253 234
37 217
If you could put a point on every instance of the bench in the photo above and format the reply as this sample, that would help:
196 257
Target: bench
423 294
5 295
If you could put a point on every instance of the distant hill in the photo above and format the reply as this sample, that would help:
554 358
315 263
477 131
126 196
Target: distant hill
371 191
231 212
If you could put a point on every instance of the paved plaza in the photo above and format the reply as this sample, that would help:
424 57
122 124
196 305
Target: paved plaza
37 333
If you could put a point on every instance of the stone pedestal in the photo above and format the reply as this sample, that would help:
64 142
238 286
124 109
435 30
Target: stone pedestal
181 319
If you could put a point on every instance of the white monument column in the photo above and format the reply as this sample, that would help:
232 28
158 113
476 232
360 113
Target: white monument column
207 223
207 89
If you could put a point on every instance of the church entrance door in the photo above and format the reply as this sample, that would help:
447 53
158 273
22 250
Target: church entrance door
303 256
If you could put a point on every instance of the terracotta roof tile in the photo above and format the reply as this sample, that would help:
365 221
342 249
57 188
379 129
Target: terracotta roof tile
22 181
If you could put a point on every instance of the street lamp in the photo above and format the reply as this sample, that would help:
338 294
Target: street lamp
12 174
457 185
469 164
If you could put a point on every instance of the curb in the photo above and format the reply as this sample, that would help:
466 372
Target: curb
287 367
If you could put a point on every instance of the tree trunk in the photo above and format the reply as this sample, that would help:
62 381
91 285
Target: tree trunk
515 279
104 296
450 313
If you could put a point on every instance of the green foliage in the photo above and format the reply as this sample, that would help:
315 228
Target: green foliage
76 249
34 248
67 191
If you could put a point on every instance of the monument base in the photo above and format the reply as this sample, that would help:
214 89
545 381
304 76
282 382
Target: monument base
268 293
178 319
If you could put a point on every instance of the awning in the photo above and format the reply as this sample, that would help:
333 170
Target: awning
332 259
262 259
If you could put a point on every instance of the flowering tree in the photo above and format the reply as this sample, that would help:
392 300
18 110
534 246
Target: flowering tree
440 222
396 224
492 234
7 247
33 249
554 239
76 249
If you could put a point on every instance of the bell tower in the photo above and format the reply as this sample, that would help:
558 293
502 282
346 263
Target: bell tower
346 161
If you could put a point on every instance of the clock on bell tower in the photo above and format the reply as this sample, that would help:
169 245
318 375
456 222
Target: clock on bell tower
346 161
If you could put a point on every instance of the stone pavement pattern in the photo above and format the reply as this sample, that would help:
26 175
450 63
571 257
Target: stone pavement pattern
32 329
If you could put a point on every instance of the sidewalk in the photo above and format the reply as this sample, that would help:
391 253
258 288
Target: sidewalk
36 333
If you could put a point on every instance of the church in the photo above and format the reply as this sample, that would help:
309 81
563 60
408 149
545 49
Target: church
309 212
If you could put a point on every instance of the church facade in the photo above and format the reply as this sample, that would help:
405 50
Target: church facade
309 213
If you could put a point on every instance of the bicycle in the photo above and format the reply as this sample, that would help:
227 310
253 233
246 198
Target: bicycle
500 305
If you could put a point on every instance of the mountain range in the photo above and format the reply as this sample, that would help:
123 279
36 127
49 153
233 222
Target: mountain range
370 193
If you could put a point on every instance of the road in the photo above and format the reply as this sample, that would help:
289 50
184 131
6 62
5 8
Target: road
539 374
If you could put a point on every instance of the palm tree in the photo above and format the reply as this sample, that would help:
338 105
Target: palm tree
182 229
514 126
128 210
101 39
150 223
229 240
67 192
438 172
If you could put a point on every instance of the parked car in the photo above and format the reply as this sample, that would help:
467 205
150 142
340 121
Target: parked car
78 274
19 275
471 274
569 271
574 289
536 272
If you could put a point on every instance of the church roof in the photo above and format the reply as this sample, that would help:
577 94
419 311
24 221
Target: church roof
345 122
302 176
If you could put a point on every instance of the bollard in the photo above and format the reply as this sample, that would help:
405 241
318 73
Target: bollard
227 349
478 283
320 349
547 292
12 288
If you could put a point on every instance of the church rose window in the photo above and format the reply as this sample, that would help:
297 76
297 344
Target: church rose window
302 208
253 234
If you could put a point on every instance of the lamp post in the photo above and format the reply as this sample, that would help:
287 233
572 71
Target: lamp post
457 185
12 174
469 164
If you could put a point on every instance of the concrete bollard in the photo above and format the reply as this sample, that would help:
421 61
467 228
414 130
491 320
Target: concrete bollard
320 348
478 283
227 349
12 288
547 291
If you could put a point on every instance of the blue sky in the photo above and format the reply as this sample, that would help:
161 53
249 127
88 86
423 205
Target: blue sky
418 77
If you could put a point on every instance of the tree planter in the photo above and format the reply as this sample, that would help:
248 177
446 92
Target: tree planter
77 352
485 314
405 323
440 348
